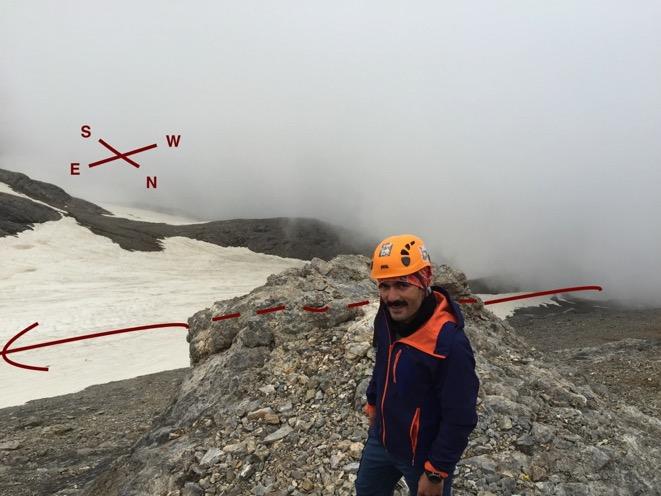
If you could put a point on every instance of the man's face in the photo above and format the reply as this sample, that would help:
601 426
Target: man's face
401 298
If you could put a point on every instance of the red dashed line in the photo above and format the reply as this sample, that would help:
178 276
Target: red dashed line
316 309
270 310
325 308
227 316
358 304
306 308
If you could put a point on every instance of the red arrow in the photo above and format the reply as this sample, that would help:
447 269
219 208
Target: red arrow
6 350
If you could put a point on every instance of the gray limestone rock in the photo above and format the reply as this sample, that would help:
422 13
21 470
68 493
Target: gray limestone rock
211 457
542 433
281 433
536 434
192 489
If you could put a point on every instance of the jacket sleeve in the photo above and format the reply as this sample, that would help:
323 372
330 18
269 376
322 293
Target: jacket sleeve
371 392
457 394
371 387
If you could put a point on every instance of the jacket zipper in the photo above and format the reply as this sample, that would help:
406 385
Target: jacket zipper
385 389
413 433
394 368
383 399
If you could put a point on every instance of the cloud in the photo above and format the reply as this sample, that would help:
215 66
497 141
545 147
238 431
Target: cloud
517 139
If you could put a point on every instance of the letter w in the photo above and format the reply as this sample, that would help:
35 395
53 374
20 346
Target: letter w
173 140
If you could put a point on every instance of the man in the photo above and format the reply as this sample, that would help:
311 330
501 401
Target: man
421 400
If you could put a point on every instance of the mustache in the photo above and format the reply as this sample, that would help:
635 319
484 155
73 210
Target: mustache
397 303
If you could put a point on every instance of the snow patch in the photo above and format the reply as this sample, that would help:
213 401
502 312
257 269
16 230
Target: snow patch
506 309
74 282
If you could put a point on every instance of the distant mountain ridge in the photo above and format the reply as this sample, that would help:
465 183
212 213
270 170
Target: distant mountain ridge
298 237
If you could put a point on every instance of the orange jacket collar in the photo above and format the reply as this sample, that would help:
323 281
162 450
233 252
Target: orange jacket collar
425 338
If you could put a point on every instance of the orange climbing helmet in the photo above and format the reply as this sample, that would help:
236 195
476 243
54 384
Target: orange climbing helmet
399 255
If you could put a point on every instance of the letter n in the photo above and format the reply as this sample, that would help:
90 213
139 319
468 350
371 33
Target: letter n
151 182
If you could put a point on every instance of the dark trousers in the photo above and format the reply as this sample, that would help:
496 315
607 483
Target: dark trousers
379 472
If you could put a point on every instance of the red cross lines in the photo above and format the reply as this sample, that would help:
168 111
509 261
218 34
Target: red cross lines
123 156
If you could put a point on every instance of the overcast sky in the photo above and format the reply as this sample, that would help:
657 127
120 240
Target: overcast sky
518 138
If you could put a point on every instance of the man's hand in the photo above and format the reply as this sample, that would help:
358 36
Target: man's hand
428 488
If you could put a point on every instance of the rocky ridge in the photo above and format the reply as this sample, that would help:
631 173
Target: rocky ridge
272 405
302 238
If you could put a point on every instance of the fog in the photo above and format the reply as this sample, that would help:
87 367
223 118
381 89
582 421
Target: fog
517 138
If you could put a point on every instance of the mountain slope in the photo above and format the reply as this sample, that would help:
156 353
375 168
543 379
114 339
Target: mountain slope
16 213
272 406
301 238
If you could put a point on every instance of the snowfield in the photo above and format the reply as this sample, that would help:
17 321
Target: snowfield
73 282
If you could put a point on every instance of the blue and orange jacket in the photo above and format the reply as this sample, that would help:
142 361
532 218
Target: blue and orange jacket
424 388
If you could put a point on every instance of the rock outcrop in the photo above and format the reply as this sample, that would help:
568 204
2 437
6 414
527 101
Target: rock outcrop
18 213
272 405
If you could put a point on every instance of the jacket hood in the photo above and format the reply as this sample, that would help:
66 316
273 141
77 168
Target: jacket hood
454 306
